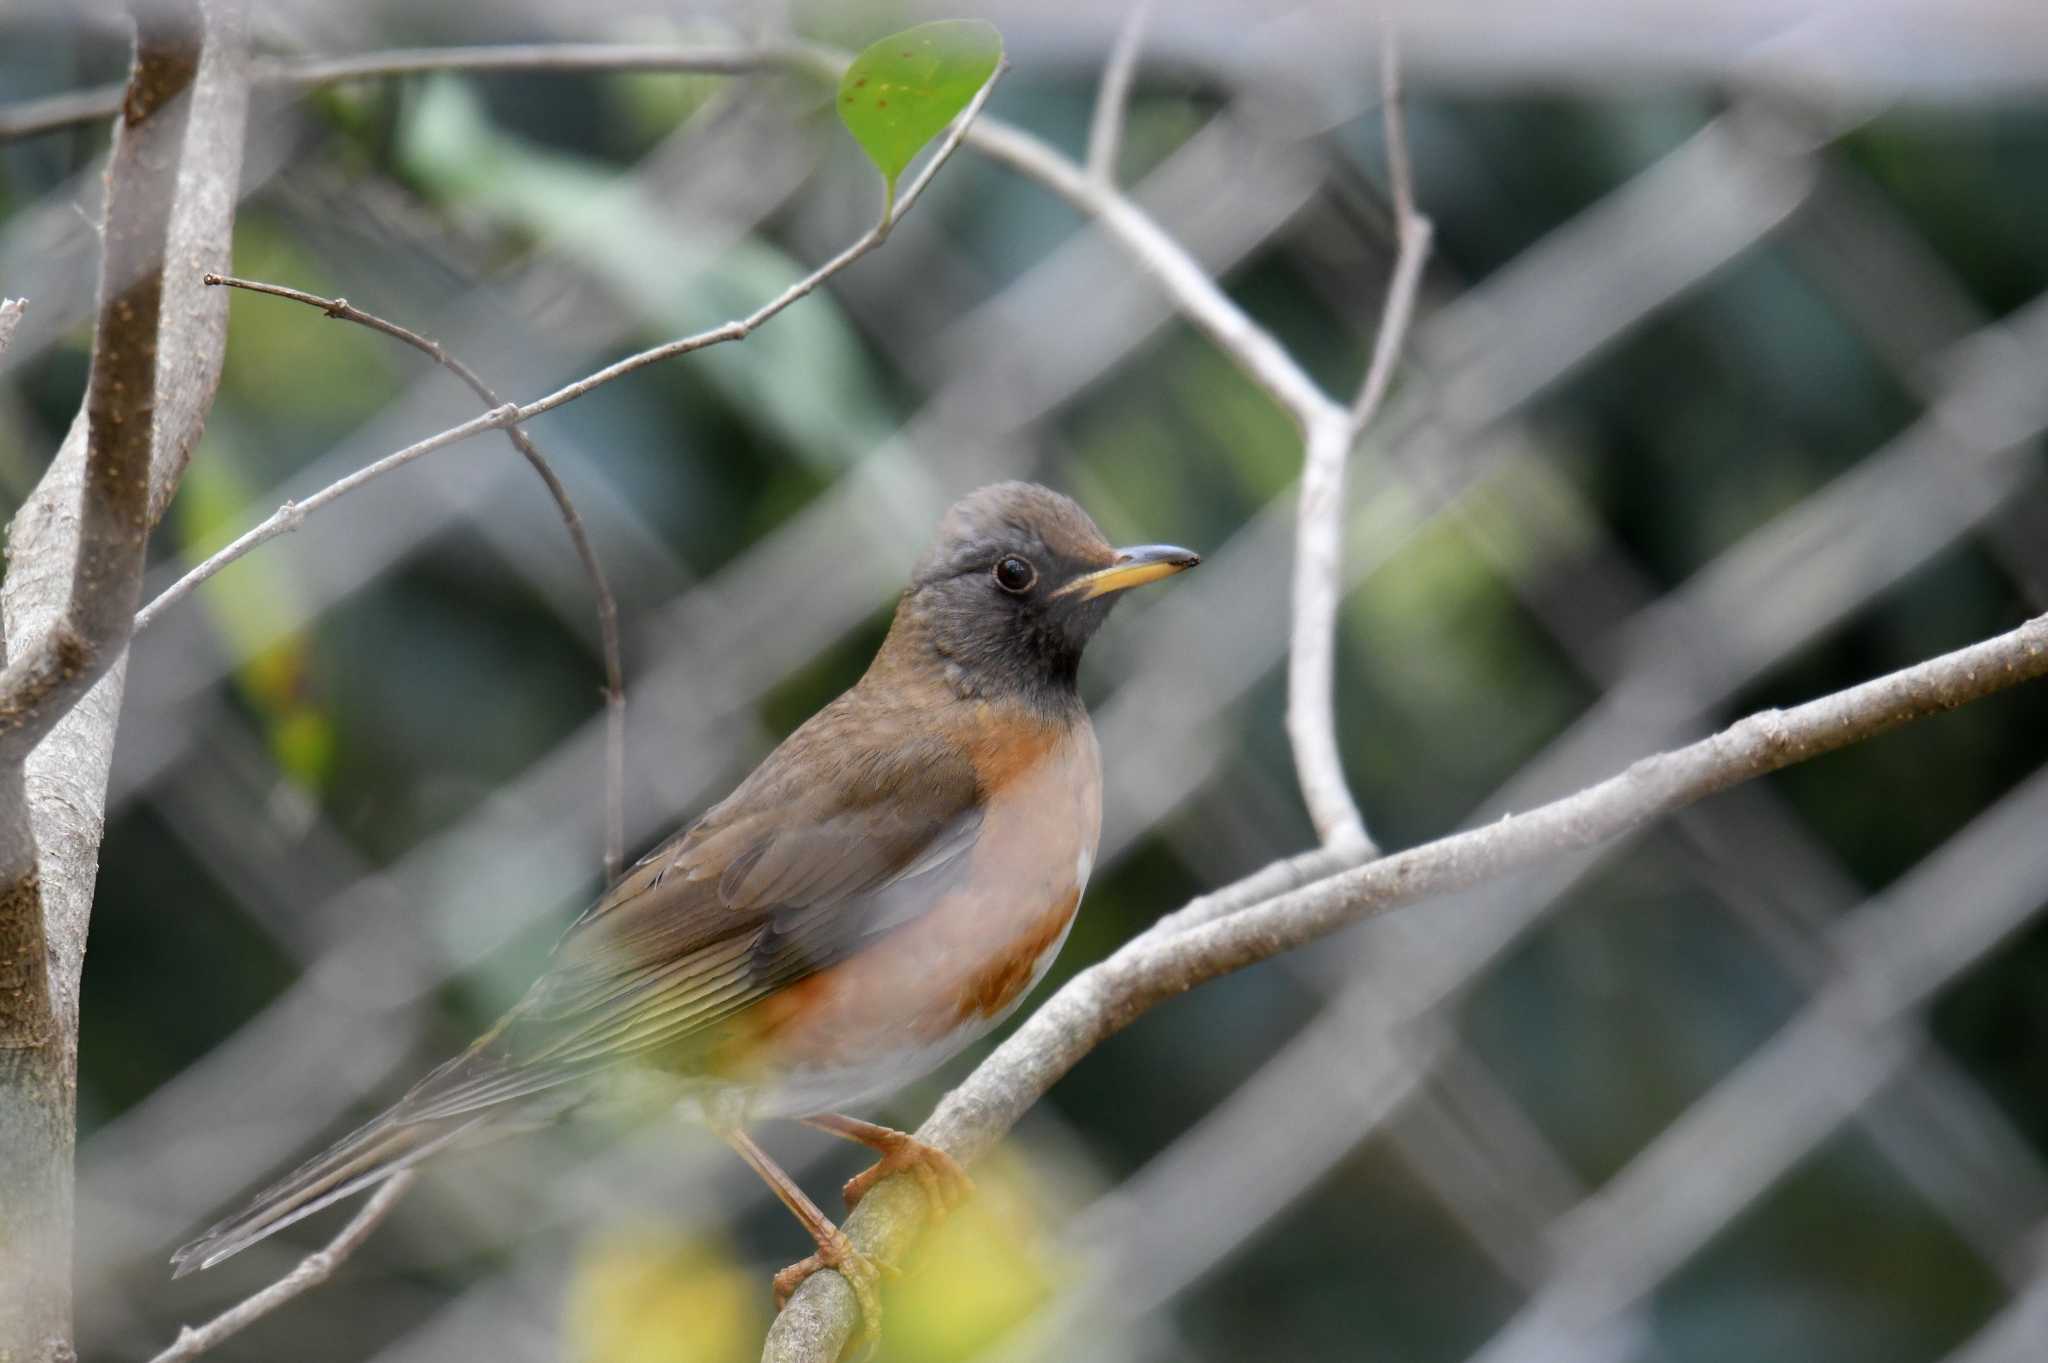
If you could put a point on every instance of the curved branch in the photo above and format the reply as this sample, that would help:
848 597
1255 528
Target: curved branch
314 1269
607 606
1200 299
1107 997
1113 97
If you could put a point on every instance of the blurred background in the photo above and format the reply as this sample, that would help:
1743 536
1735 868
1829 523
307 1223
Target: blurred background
1724 392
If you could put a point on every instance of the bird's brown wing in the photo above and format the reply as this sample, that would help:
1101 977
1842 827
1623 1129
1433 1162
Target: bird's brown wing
798 869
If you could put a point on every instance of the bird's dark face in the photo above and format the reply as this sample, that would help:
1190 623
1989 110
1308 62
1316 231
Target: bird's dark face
1017 583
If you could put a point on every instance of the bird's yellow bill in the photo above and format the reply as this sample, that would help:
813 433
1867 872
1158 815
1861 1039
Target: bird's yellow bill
1132 568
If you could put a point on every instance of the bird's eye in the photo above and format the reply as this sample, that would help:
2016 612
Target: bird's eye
1014 574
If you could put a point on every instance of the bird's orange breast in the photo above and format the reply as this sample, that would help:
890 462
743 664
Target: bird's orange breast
924 991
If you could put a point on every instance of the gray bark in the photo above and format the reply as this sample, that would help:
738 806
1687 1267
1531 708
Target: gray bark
54 858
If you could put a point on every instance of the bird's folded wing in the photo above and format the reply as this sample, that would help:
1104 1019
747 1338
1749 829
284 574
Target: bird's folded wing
772 885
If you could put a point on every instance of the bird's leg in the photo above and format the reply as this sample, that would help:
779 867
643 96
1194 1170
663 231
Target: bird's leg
835 1251
945 1183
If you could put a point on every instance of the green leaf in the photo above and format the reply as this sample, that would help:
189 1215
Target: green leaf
904 90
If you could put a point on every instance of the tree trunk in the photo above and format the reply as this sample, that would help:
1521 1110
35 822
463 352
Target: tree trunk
65 778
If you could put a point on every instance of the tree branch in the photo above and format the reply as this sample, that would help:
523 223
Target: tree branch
607 606
1319 549
1412 233
74 559
31 118
1113 97
314 1269
289 516
24 959
1107 997
1200 299
46 674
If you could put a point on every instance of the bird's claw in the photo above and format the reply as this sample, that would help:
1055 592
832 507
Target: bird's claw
862 1274
946 1185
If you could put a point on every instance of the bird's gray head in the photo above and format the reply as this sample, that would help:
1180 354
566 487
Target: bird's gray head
1017 582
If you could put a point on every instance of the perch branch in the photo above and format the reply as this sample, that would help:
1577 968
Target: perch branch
1107 997
607 606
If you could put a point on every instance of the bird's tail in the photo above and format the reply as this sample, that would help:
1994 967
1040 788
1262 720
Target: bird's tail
362 1159
483 1086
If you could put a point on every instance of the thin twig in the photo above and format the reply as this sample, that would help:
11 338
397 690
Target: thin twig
1113 97
607 606
314 1269
737 60
53 113
1105 998
1412 234
1319 548
289 516
1199 298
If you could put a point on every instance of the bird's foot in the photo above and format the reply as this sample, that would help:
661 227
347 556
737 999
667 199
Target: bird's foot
862 1274
945 1183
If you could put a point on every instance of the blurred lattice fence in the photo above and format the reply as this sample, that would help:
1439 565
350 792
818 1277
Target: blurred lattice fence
1716 398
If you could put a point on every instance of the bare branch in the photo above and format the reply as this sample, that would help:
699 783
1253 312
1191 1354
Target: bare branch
314 1269
736 60
24 964
1319 550
1113 97
31 118
1312 641
74 561
47 673
607 606
1412 232
1107 997
1183 279
54 113
289 516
